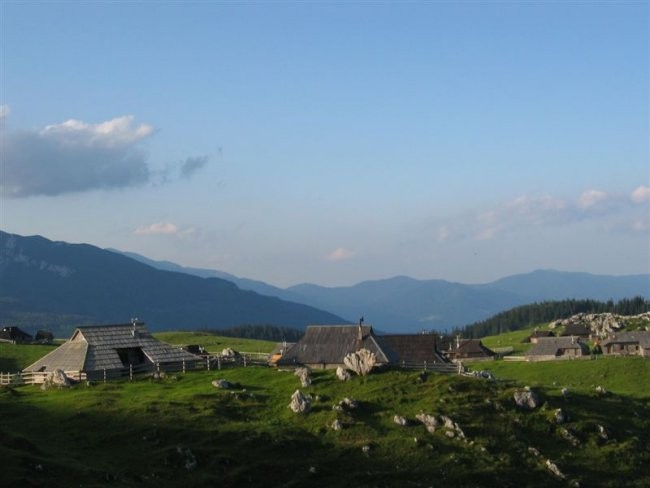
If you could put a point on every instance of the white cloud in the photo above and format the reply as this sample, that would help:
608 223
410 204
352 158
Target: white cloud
641 194
591 198
165 228
76 156
340 254
4 111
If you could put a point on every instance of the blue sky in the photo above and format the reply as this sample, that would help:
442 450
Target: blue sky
333 143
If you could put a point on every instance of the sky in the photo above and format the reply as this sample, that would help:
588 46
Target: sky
332 142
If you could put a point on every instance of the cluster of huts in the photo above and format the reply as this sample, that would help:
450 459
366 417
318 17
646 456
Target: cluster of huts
15 335
109 350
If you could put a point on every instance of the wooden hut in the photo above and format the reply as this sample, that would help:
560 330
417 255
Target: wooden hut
551 348
14 335
113 350
631 343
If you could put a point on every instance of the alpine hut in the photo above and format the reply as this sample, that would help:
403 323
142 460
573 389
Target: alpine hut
112 351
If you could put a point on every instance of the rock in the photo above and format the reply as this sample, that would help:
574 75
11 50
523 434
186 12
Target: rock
299 403
450 433
422 377
430 422
158 375
56 378
342 374
602 432
552 467
452 426
349 404
229 353
601 391
222 384
561 416
533 451
336 425
366 450
526 399
399 420
312 469
189 460
304 374
568 436
565 392
361 362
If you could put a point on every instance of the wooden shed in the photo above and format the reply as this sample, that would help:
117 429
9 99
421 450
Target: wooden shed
113 351
551 348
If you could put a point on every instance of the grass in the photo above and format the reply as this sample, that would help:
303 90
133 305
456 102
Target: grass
15 357
623 376
513 339
215 343
129 433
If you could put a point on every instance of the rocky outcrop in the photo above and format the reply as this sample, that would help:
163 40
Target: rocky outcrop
304 374
336 425
56 378
399 420
526 399
300 403
342 374
601 325
361 362
222 384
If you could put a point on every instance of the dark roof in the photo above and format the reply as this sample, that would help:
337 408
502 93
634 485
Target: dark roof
576 330
411 348
642 337
11 333
552 346
329 344
541 333
468 348
93 348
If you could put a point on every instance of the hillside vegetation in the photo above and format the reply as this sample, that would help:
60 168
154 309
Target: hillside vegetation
541 313
183 431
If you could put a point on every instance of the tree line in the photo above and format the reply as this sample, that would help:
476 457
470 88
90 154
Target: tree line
539 313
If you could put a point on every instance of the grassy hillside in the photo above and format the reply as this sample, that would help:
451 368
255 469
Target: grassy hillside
14 357
135 434
215 343
513 339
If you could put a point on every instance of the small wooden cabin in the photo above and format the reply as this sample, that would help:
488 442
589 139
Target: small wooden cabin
14 335
632 343
112 351
552 348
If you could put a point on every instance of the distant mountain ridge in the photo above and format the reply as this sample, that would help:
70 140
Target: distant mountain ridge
56 284
409 305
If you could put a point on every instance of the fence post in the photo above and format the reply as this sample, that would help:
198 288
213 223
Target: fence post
130 372
218 362
183 366
244 361
104 375
425 366
207 362
158 367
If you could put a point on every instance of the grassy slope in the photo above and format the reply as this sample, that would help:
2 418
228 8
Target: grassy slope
127 434
214 343
513 339
14 357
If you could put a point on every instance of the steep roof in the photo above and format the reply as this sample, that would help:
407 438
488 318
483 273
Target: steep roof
11 333
329 344
94 348
541 333
467 348
576 330
642 337
411 348
552 346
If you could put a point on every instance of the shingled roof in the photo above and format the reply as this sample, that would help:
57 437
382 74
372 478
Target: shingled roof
554 346
106 347
329 344
411 348
642 337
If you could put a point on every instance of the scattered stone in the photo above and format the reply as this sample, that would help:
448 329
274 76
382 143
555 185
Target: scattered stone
158 375
450 433
602 432
366 450
360 362
343 374
312 469
552 467
222 384
487 375
299 403
565 392
349 404
561 416
601 391
533 451
430 422
56 378
304 374
229 353
568 436
190 461
453 427
336 425
422 377
526 399
399 420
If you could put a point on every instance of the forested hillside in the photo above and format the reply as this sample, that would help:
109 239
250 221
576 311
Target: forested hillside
537 313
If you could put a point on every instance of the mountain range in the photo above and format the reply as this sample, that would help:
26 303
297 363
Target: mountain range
59 285
409 305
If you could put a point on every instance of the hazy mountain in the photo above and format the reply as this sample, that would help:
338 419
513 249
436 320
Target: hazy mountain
45 283
407 304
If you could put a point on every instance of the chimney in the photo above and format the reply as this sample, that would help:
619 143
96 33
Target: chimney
360 332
